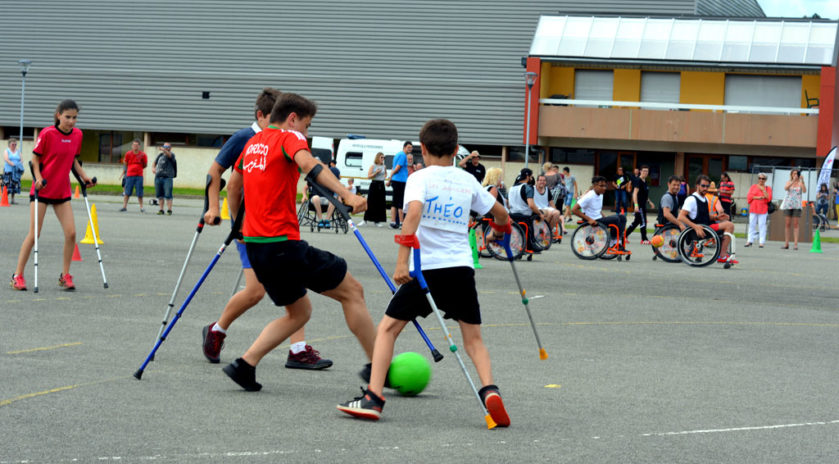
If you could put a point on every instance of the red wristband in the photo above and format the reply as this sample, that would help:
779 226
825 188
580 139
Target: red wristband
407 240
506 228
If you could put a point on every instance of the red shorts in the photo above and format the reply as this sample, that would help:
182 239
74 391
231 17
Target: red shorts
715 227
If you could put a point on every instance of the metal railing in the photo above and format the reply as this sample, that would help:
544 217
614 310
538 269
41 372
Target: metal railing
678 106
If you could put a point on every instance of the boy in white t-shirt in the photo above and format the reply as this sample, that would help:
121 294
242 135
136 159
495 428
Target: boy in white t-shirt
589 208
437 204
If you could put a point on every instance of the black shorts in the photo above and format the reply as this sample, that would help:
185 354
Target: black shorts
398 193
286 269
49 201
453 290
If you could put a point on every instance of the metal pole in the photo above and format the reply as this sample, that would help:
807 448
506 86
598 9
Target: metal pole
527 133
22 99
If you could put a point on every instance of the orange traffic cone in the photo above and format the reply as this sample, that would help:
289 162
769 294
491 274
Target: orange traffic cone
78 193
5 200
76 255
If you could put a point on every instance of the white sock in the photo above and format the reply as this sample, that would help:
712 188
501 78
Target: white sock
217 328
298 347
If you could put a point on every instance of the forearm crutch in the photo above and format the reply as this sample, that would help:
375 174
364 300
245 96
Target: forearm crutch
90 222
234 234
324 192
43 184
506 242
412 242
198 229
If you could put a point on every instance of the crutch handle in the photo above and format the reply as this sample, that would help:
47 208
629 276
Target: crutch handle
34 181
216 219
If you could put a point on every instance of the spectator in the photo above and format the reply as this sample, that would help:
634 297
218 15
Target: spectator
552 177
573 191
472 165
546 202
822 200
758 198
410 160
620 183
492 182
135 161
165 169
397 179
791 206
12 168
522 205
683 190
726 191
641 198
836 199
376 203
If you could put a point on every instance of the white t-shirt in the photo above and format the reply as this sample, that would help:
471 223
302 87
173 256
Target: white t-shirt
591 204
690 204
447 194
541 199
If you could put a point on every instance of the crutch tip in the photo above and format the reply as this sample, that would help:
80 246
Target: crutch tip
490 423
437 356
139 374
543 355
106 284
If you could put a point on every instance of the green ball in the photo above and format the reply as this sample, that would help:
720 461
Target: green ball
409 373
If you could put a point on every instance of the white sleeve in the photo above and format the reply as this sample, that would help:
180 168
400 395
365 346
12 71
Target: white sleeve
482 201
414 191
585 200
690 207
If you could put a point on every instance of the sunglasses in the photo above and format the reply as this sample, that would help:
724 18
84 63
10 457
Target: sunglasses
761 178
704 185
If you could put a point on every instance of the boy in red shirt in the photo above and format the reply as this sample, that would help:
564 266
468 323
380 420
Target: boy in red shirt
135 161
269 167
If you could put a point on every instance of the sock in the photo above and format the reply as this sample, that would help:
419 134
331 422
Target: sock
298 347
217 328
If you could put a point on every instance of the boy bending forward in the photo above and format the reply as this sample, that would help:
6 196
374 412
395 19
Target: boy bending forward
437 204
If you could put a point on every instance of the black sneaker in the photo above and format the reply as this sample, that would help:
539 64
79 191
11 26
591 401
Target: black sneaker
308 359
495 406
394 225
367 406
160 213
365 375
169 212
213 342
244 374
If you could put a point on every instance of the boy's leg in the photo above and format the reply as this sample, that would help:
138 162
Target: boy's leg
351 296
278 330
243 300
386 334
477 351
64 213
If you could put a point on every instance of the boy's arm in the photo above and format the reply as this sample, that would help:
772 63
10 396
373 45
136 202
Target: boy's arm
410 225
234 193
668 214
307 162
577 211
215 172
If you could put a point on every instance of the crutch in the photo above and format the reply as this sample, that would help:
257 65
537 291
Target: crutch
412 242
234 234
43 184
198 230
506 242
90 221
325 193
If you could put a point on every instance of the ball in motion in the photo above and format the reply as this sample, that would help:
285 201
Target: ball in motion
657 241
409 373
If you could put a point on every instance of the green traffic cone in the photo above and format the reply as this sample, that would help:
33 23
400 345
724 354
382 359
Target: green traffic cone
817 243
473 242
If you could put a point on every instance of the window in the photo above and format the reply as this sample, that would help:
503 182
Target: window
571 156
738 163
593 85
353 159
110 147
778 91
660 87
323 154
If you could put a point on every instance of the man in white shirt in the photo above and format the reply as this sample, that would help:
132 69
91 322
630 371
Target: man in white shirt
589 208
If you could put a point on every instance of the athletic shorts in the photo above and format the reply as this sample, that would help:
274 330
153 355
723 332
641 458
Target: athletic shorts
163 187
398 194
286 269
453 290
49 201
243 255
792 212
568 200
715 227
133 183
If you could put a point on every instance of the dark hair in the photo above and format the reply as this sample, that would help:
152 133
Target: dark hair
265 101
566 169
621 168
674 178
597 179
406 144
439 136
138 141
64 106
292 103
823 187
727 177
644 166
682 179
702 177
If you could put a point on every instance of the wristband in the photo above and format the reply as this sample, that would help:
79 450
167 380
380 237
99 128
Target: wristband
410 241
506 228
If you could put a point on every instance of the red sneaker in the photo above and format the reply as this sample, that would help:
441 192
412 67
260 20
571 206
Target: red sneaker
645 242
213 343
18 283
66 281
307 359
727 260
494 405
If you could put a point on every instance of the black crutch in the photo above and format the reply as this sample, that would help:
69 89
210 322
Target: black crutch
90 222
43 184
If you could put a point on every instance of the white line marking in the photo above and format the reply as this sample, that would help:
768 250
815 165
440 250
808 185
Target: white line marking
740 429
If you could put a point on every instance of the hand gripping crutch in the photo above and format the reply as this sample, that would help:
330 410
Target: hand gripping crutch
198 230
234 233
506 242
325 193
90 222
43 184
412 242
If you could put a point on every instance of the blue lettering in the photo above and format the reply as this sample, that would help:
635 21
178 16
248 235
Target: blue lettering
458 212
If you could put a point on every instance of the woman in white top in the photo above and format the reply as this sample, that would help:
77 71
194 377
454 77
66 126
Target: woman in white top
12 168
376 194
791 206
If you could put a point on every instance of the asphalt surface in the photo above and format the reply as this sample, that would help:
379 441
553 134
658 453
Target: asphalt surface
649 362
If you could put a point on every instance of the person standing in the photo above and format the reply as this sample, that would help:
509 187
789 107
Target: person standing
135 161
571 188
165 169
472 165
683 191
795 189
641 198
12 168
726 192
376 203
836 199
397 179
620 183
758 198
822 200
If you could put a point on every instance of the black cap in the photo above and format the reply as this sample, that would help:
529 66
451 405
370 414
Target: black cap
525 172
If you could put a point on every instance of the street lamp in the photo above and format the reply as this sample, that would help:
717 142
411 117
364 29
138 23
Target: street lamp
24 68
530 79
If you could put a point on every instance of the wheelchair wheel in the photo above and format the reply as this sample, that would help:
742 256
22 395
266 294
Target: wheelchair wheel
669 251
590 242
542 235
480 238
696 251
341 223
517 239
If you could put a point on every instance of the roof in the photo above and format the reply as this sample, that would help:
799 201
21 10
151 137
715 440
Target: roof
747 42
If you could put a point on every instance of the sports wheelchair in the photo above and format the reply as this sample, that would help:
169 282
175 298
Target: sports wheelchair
699 252
598 241
669 250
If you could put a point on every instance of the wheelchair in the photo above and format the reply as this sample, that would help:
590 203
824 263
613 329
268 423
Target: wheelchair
668 251
700 252
494 249
306 216
593 242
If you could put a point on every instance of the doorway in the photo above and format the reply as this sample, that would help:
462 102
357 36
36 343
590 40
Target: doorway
710 165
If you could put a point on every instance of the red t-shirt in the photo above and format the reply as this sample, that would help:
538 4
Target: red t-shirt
57 151
270 177
135 163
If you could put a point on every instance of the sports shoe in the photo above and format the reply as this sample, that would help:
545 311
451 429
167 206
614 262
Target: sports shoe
160 213
380 224
394 225
66 281
213 342
142 210
18 283
365 375
727 260
645 242
121 210
495 406
367 406
244 374
308 359
169 212
361 224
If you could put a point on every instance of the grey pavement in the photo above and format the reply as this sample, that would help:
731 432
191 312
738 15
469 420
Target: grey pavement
649 362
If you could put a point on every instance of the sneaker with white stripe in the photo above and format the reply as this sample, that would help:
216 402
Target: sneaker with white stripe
367 406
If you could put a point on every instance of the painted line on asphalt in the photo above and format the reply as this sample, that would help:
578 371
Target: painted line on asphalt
55 390
732 323
741 429
44 348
